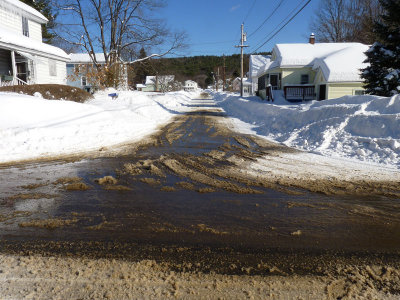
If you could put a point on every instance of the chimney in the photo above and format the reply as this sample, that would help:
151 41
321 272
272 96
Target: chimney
312 39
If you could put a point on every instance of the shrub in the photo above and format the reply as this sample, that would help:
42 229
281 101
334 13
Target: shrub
51 91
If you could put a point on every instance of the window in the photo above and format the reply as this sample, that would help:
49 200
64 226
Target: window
25 27
304 79
52 67
83 80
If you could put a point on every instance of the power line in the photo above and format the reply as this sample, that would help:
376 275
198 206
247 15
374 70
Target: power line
284 20
212 43
304 6
273 12
251 8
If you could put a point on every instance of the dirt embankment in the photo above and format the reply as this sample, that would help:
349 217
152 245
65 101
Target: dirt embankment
38 277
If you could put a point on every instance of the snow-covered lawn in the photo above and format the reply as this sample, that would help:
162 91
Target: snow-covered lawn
364 128
31 127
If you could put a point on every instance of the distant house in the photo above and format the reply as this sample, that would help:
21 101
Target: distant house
140 87
81 67
190 86
157 83
258 64
247 86
314 70
24 58
78 68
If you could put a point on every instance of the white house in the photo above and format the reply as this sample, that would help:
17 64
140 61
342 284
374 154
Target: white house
157 83
247 86
258 64
190 86
24 58
140 87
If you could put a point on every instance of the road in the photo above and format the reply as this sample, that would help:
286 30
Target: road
200 197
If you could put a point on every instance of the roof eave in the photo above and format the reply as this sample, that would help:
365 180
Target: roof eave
345 81
12 47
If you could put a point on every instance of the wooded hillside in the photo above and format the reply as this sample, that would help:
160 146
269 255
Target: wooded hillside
197 68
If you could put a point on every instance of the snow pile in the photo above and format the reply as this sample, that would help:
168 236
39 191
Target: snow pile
361 127
33 127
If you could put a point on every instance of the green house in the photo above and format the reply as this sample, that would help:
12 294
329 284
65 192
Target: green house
310 71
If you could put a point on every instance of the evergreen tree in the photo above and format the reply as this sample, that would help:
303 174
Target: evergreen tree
44 7
382 77
142 68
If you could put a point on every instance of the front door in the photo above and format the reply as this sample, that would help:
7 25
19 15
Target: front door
273 80
22 71
322 92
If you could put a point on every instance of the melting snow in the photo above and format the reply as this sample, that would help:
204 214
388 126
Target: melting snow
358 127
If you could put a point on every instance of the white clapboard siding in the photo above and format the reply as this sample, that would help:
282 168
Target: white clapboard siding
43 71
10 21
35 30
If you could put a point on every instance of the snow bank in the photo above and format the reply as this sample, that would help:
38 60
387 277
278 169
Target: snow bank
363 127
32 127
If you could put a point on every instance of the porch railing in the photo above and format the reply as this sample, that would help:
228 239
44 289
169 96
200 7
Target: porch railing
269 93
20 81
299 92
14 81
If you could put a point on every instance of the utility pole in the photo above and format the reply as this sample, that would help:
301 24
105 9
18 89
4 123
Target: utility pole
223 85
217 79
241 46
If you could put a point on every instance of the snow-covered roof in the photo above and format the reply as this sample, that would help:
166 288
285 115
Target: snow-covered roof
258 63
161 78
10 40
246 81
85 58
25 8
298 55
339 62
190 82
343 65
140 85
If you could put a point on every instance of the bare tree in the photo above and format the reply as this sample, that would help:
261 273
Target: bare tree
346 20
164 83
115 27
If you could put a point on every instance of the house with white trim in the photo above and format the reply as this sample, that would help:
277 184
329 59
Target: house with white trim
82 72
247 86
24 58
312 70
190 86
79 68
157 83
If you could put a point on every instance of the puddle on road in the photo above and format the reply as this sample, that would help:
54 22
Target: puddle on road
185 187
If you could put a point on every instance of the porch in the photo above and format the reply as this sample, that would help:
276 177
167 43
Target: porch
16 68
301 92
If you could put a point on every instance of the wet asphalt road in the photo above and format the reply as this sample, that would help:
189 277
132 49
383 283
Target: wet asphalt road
60 207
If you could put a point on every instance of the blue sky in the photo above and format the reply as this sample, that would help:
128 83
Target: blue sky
213 26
